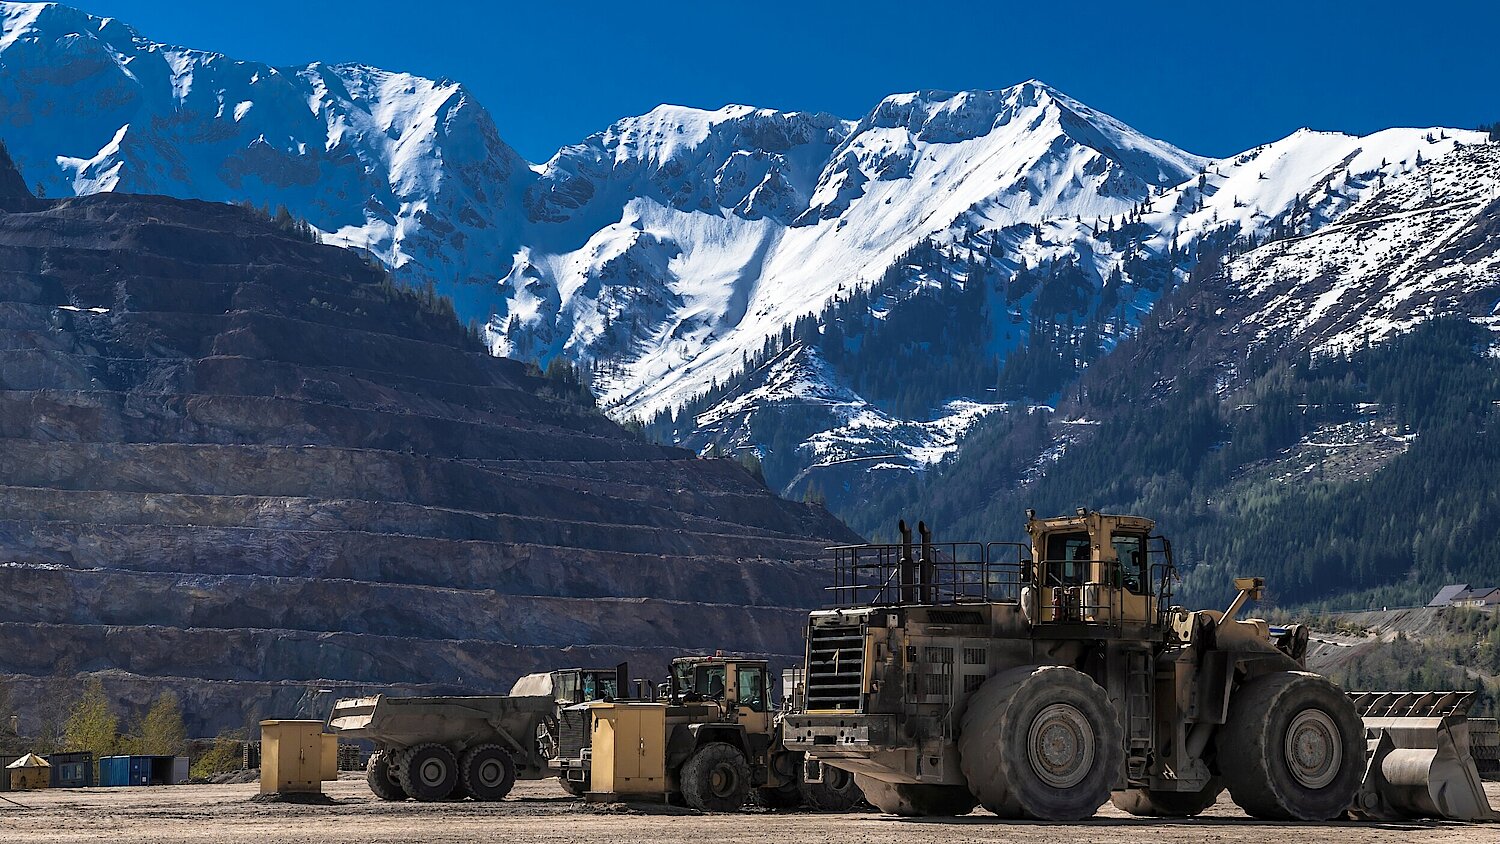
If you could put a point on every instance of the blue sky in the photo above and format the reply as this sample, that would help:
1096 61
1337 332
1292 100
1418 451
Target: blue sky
1212 78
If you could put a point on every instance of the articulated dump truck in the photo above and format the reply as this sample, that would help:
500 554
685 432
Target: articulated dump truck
1041 679
443 748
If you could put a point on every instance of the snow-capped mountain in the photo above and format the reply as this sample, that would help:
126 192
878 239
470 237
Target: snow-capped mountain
411 169
726 226
990 236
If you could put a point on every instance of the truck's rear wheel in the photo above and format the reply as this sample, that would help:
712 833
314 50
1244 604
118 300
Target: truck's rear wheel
575 788
487 772
1146 803
382 778
1041 742
915 800
716 778
1297 747
427 772
836 793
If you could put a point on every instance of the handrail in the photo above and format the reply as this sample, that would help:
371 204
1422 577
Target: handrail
958 572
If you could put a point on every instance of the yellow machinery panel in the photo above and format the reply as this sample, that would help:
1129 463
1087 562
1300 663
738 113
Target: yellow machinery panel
296 756
629 748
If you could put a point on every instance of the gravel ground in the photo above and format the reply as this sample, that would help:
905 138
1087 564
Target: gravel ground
540 812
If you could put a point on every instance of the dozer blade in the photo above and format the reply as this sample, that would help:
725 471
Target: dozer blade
1420 764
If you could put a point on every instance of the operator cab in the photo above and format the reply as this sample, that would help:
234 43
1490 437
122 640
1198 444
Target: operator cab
1093 567
582 685
740 687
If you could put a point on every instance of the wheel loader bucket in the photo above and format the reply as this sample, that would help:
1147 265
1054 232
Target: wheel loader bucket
1420 764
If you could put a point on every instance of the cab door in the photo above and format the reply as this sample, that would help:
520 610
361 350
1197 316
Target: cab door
751 702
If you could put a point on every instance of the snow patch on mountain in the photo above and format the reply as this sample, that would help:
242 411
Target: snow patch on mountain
1422 247
1295 185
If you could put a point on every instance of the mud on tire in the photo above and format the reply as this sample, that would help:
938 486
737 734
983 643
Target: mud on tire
1041 742
1298 747
381 777
916 800
427 772
716 778
487 772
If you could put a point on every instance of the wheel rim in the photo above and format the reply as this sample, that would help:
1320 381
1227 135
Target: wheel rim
722 781
1312 748
836 779
1061 745
491 773
432 772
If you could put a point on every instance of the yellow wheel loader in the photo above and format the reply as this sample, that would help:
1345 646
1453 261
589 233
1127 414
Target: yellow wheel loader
712 742
1042 679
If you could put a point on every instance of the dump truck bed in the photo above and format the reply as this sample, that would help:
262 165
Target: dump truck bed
455 722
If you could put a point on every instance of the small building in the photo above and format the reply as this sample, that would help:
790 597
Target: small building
1488 596
1445 596
29 772
142 770
72 770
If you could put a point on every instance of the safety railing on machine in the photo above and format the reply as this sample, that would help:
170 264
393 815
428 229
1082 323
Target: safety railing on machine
930 573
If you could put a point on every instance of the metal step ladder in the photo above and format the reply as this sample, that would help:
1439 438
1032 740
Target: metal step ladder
1140 677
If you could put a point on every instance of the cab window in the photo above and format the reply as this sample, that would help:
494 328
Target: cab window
1067 559
751 687
606 687
567 688
1131 551
704 681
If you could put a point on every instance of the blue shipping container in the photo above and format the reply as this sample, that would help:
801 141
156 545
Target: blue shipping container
124 770
135 770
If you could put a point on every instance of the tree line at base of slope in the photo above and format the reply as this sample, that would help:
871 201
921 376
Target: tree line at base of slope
1189 459
92 724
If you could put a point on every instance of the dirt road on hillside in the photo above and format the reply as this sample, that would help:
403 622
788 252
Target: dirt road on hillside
541 813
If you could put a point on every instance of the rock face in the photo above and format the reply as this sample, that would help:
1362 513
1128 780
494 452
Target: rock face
247 467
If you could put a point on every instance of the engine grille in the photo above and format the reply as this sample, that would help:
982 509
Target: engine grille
573 733
835 667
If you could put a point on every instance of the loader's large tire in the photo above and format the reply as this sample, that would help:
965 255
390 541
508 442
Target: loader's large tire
487 772
427 772
1146 803
382 778
577 789
1293 748
716 778
838 792
1041 742
915 800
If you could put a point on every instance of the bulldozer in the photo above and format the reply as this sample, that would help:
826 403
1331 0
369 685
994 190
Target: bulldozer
1042 679
709 738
